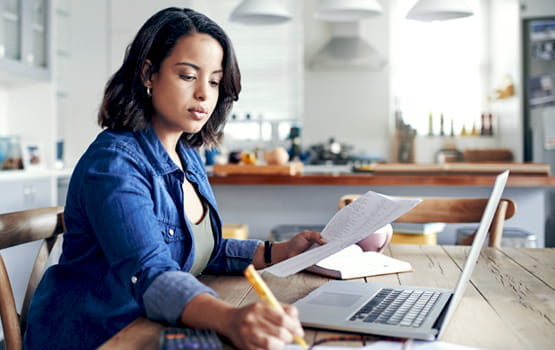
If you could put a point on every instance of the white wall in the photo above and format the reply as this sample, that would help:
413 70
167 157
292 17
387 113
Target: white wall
85 75
31 114
504 38
350 104
125 19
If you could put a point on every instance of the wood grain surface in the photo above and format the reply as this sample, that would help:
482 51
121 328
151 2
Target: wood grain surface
510 303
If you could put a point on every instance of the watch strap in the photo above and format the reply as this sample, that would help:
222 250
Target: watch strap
268 252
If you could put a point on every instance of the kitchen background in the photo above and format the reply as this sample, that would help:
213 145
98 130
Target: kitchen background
388 71
461 69
402 72
352 101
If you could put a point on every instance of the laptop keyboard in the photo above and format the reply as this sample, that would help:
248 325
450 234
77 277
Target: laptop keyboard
407 308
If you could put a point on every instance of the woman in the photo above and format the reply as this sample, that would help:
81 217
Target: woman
141 217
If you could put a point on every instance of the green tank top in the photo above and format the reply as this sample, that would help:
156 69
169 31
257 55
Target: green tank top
204 242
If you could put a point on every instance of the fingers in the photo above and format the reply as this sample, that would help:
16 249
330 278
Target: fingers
303 241
260 326
293 313
313 237
262 334
291 310
288 321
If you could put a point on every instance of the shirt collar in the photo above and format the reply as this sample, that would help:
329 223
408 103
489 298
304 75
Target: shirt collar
159 157
155 151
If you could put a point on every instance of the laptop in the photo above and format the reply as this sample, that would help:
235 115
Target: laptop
394 310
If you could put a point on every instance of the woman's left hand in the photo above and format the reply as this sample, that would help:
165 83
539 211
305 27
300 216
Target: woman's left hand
282 250
301 242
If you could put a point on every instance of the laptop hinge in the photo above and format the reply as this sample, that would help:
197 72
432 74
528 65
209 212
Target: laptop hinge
442 314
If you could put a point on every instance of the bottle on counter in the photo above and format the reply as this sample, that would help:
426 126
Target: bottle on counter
441 125
399 122
474 131
430 124
487 124
464 132
490 125
295 137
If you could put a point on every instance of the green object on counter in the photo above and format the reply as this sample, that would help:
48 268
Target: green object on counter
430 124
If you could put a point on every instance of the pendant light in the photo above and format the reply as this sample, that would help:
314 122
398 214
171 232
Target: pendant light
439 10
347 10
260 12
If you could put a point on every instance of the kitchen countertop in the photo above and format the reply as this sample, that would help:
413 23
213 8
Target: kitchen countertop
335 175
267 201
342 175
381 180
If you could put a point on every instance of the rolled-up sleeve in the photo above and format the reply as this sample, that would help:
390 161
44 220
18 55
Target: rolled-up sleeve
240 253
234 257
169 293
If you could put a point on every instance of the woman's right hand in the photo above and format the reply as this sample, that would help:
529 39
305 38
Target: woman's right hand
259 326
256 326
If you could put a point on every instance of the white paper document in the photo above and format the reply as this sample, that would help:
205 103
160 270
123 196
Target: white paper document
349 225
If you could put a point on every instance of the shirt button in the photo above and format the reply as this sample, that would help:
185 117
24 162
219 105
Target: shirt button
134 279
171 231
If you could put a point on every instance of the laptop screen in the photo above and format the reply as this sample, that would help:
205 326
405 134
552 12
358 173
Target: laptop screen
471 260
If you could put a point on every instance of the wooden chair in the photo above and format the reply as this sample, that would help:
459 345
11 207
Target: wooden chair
17 228
454 210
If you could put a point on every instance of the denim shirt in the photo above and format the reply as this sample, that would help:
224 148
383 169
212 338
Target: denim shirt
128 246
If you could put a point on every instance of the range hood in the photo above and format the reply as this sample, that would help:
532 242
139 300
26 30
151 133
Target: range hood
346 49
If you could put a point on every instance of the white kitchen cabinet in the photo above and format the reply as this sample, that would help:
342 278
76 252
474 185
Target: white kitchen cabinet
25 41
27 192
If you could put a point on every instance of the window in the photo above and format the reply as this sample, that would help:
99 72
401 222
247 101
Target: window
439 67
271 62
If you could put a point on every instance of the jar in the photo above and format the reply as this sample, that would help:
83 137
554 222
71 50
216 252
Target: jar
449 155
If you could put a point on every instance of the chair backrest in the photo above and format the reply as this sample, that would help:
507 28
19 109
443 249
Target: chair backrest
17 228
454 210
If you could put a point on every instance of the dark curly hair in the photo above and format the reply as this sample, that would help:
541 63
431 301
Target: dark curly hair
126 105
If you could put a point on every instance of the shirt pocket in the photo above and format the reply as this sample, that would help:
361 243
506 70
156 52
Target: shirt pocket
177 240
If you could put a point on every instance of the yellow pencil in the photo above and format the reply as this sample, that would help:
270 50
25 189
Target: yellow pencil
266 294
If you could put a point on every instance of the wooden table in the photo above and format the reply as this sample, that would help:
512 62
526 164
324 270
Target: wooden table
510 303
